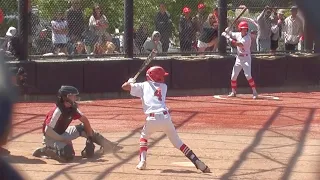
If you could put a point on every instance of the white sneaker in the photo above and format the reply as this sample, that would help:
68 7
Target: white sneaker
203 167
142 165
232 94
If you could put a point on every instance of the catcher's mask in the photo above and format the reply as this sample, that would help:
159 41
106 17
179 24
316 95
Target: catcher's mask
68 94
156 74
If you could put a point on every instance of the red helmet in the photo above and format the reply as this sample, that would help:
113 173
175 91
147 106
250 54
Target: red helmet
186 10
243 25
201 6
156 74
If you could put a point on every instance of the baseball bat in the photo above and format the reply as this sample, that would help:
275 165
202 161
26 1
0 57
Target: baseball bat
235 20
145 64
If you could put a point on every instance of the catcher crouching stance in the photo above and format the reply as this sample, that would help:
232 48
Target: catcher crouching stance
153 95
242 41
58 135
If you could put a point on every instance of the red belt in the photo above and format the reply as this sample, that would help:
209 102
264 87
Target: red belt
243 55
152 114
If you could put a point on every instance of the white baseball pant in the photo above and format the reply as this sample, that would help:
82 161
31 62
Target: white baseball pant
160 122
242 63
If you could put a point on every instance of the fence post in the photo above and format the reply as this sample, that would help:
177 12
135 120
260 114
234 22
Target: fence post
23 28
128 28
223 23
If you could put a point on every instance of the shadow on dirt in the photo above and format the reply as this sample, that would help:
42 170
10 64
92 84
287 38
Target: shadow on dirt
178 171
287 167
12 159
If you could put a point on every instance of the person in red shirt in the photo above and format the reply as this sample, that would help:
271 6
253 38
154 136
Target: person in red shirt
58 135
1 16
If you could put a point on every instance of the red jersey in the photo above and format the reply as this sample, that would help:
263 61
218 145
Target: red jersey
60 122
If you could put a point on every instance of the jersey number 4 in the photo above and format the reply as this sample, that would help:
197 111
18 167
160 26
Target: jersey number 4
158 94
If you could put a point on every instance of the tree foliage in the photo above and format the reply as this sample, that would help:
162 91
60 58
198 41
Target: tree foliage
144 10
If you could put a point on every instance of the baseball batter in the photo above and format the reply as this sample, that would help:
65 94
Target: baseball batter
242 41
58 135
153 95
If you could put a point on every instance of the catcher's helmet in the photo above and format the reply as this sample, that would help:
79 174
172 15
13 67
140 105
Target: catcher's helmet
156 74
64 91
243 25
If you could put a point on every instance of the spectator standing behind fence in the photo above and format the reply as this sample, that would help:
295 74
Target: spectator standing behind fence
199 19
264 30
292 30
163 24
98 24
187 30
153 43
33 25
59 33
7 43
11 46
276 29
209 33
43 43
75 19
141 36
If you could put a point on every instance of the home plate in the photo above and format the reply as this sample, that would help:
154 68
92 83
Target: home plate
218 97
184 164
246 96
268 97
84 102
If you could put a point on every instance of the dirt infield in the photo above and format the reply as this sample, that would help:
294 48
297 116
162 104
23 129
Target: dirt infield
276 137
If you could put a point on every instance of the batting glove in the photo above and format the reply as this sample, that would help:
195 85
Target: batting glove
225 35
227 30
131 80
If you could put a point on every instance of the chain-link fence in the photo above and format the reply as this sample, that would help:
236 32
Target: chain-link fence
86 27
266 22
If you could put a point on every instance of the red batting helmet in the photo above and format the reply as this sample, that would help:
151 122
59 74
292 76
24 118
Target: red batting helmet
243 25
156 74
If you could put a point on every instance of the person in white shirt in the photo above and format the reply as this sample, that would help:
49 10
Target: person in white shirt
59 33
292 30
153 95
242 41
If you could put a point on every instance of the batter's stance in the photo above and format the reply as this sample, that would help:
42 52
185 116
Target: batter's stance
242 41
153 95
58 135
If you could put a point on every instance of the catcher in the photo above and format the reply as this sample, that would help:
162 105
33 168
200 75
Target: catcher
58 135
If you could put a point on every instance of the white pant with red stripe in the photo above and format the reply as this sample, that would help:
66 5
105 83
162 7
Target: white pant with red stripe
242 63
161 123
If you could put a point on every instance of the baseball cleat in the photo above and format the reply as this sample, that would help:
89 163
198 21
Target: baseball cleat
203 167
142 165
255 96
39 152
232 94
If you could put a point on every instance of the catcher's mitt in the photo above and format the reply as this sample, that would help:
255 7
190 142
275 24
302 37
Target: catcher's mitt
88 151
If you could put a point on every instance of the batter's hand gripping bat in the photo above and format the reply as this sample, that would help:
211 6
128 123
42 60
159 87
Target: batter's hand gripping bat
145 63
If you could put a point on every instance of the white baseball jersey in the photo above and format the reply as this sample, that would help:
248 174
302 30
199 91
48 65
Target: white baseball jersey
152 94
246 41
